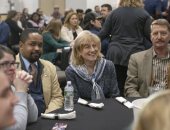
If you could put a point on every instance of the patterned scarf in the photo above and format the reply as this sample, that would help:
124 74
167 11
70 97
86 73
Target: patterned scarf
81 70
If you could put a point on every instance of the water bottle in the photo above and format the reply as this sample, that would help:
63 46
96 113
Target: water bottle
68 97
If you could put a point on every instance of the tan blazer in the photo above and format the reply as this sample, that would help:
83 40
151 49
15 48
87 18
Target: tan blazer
51 89
139 74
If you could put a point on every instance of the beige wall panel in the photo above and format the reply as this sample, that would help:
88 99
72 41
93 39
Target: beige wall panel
47 5
61 4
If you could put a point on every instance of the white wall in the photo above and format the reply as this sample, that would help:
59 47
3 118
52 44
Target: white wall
75 4
32 5
84 4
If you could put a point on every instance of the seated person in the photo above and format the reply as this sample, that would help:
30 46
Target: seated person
45 88
25 110
150 67
8 101
35 22
71 28
156 113
53 41
92 76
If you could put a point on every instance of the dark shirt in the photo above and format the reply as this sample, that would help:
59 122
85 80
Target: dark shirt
74 34
104 42
128 28
4 33
35 90
15 32
155 7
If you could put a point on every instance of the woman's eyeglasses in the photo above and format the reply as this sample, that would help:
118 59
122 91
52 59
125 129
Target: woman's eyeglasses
9 64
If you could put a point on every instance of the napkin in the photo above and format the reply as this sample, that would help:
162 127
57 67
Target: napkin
70 115
124 102
93 105
96 105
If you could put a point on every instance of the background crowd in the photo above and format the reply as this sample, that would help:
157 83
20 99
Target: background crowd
104 52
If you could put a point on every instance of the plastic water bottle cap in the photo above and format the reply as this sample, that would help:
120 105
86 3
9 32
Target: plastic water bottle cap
68 82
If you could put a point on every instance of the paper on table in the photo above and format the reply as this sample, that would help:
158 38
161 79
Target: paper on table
124 102
82 101
49 115
93 105
70 115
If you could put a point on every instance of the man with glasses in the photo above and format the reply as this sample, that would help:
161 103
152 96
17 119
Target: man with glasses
25 110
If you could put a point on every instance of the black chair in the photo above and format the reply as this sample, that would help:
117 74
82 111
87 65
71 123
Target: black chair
64 57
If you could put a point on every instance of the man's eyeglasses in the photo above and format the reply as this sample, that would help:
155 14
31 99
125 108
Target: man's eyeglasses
9 64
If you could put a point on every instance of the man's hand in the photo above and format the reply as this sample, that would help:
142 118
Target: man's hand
22 81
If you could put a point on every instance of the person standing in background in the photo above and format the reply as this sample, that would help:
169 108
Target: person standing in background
129 28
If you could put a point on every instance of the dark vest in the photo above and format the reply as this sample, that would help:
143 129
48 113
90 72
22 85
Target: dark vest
36 90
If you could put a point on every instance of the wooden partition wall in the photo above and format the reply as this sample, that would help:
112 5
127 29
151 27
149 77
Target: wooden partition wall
47 5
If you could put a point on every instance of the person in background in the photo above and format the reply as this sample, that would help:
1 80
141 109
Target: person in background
56 13
156 8
150 68
24 17
52 41
11 20
88 10
4 32
156 113
97 10
105 11
35 22
80 14
8 100
71 28
92 22
43 18
19 21
45 88
126 37
67 11
92 77
25 111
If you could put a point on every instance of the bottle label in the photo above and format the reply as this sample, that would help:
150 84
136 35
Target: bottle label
68 93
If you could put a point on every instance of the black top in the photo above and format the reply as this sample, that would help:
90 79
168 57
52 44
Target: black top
128 27
15 32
